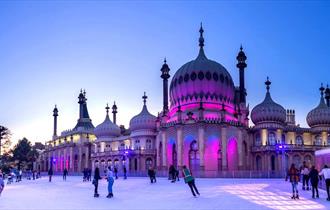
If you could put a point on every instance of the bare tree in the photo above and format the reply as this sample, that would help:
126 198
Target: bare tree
4 138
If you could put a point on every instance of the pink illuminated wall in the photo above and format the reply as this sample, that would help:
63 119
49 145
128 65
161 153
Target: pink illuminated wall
232 155
169 151
211 153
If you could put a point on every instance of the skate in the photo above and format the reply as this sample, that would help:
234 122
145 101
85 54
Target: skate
297 196
109 195
303 188
293 197
96 195
307 188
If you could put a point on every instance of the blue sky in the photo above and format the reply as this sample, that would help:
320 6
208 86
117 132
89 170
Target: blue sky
114 50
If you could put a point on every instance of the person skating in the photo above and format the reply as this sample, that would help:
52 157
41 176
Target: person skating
190 180
152 174
2 183
125 172
65 173
326 173
314 177
172 172
305 176
177 175
116 172
110 182
293 174
50 174
96 179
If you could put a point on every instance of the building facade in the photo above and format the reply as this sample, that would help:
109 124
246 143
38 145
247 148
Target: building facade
204 124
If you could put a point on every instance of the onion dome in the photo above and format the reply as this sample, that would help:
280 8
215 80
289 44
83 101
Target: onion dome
203 80
144 120
107 129
268 111
319 116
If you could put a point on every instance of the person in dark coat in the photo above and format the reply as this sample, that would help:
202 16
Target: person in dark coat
152 174
172 172
50 174
190 180
125 172
65 173
314 178
96 179
116 172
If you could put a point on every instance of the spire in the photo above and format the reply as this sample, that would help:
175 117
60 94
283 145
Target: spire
327 95
201 54
241 65
114 112
144 97
165 70
55 114
107 109
84 121
201 38
322 90
268 83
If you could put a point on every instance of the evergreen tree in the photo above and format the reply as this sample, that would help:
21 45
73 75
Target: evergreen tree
4 138
21 151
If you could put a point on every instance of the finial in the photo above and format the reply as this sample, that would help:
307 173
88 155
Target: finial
241 48
84 92
55 106
201 38
144 97
268 83
114 102
165 60
107 108
322 89
81 90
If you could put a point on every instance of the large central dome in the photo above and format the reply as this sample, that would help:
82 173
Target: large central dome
201 80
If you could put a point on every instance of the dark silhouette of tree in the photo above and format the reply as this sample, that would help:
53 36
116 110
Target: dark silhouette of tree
4 138
21 151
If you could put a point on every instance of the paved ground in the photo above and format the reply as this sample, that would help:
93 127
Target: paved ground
139 194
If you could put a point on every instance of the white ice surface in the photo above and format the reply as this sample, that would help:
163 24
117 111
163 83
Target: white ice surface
139 194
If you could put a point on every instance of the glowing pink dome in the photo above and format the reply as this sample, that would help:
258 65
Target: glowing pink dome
201 80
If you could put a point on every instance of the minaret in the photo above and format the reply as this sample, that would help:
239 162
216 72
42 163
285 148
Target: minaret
84 122
327 95
114 112
241 65
55 114
165 76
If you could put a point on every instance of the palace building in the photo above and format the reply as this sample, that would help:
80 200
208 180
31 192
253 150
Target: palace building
204 124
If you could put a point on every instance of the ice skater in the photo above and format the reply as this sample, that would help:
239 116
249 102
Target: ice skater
326 173
2 183
65 173
305 176
152 174
293 174
190 180
125 172
50 174
116 172
110 182
314 177
96 179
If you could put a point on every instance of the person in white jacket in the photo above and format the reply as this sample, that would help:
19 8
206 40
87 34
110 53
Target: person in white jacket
326 173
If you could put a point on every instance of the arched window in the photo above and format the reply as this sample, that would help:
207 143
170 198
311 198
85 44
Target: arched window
194 157
297 161
137 144
318 140
328 141
258 140
299 140
149 144
271 138
283 139
149 163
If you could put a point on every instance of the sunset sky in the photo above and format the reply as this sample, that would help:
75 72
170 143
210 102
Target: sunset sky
114 50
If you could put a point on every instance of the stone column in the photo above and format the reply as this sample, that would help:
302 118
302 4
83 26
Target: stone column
324 138
164 150
240 149
86 157
224 148
264 136
158 152
279 135
58 161
79 159
179 134
71 160
65 158
201 145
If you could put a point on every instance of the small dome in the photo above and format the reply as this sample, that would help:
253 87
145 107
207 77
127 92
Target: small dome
107 128
319 116
144 120
268 110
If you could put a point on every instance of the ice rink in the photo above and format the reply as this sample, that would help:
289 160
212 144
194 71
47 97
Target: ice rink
139 194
